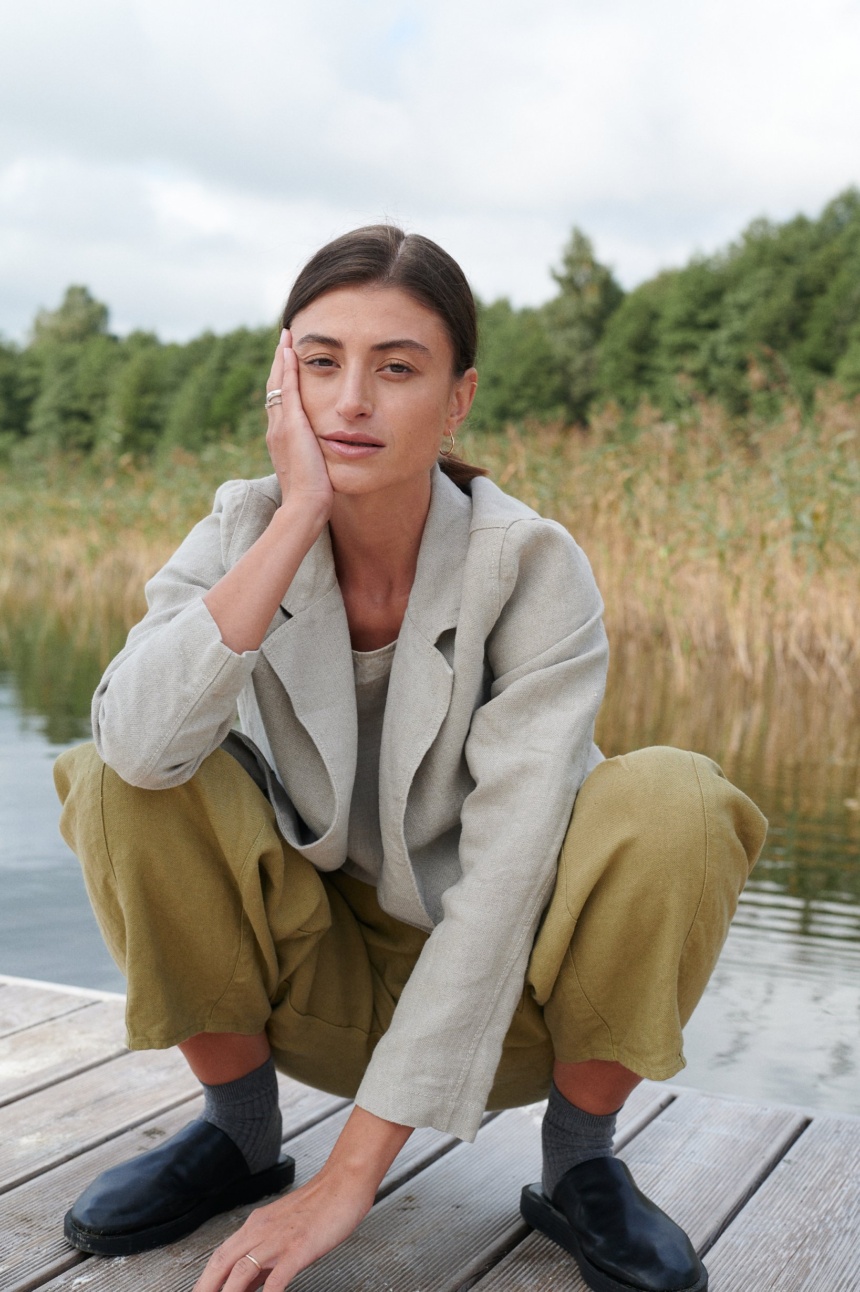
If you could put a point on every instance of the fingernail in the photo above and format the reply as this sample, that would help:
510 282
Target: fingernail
283 333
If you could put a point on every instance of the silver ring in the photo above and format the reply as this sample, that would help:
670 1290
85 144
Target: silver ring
249 1257
273 397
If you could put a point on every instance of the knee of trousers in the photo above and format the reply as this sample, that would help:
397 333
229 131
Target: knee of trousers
212 840
659 840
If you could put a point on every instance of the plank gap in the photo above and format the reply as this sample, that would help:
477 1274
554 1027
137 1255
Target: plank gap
487 1260
87 1146
48 1081
644 1117
780 1151
41 1276
58 1010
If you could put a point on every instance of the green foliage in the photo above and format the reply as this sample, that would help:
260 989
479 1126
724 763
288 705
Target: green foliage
79 317
774 315
577 317
628 355
765 322
520 376
221 394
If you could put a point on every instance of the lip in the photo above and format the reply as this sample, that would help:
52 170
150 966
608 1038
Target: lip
355 445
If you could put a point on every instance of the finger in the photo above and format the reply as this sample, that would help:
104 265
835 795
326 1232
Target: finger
280 1278
247 1275
291 395
222 1264
277 369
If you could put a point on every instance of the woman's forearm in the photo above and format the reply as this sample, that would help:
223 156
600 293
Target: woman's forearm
365 1149
243 602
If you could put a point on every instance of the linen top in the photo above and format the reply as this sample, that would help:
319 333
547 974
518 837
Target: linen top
372 670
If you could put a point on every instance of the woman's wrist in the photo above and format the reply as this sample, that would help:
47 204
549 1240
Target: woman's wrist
302 514
366 1148
243 602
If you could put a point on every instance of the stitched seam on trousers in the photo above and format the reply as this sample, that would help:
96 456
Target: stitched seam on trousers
104 826
326 1022
585 996
706 865
243 921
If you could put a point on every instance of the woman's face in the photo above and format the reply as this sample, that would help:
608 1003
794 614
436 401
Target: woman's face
377 384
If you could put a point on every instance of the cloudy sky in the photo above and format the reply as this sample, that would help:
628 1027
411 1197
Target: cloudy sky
182 159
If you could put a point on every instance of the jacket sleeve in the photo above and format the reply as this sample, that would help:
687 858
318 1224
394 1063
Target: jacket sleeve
169 698
528 751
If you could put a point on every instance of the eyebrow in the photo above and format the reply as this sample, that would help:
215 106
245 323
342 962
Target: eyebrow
399 343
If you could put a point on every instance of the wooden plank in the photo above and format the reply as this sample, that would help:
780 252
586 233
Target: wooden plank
645 1103
23 1006
32 1247
312 1148
179 1265
698 1160
53 1125
801 1231
155 1270
38 1057
417 1238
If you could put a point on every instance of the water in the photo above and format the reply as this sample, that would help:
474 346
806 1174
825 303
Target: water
781 1017
47 929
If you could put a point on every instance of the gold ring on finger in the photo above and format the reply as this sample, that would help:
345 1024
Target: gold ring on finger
249 1257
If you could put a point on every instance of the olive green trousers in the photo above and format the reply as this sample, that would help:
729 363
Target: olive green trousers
220 926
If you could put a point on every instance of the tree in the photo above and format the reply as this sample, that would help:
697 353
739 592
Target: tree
576 319
79 316
519 375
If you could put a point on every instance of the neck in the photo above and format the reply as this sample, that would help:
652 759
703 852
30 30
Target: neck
376 537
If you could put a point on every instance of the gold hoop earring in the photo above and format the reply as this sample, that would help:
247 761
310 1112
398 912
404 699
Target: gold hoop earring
446 453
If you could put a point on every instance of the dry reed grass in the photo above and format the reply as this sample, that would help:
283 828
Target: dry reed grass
727 555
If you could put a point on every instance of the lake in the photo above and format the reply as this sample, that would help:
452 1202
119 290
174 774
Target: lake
781 1017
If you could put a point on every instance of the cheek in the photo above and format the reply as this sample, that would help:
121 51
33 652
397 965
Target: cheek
316 396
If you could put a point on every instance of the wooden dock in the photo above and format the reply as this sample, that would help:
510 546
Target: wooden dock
769 1195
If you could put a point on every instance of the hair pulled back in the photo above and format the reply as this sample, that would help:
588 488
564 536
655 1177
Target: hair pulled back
383 255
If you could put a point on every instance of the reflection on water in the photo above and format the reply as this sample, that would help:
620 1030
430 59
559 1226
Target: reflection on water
781 1017
47 929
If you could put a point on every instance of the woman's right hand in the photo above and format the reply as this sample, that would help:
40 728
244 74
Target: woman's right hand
290 439
244 600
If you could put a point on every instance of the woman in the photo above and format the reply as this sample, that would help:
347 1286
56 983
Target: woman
378 886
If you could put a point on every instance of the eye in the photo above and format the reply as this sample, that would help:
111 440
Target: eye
397 366
319 361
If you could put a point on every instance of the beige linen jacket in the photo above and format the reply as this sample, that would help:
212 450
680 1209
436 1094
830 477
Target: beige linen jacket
497 676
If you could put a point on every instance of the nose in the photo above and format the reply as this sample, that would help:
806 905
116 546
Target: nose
353 399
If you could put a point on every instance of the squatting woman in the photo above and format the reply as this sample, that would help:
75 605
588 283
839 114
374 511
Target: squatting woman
410 877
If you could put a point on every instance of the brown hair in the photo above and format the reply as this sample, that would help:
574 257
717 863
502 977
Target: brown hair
383 254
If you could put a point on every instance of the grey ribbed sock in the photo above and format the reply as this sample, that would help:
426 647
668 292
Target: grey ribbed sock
570 1136
247 1110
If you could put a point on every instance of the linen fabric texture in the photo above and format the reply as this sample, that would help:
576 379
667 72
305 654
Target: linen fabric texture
221 925
497 676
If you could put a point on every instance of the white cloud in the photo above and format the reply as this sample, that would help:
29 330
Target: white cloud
183 158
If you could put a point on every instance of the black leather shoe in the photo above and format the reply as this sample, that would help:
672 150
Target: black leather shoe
166 1193
622 1241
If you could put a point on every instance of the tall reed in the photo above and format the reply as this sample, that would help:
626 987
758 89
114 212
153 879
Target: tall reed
727 554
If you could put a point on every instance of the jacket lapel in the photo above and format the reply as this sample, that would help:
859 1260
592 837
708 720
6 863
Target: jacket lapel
419 692
311 655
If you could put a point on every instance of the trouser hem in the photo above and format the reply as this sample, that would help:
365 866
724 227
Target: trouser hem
648 1069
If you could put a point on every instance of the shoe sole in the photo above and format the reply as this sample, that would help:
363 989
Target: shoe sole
539 1212
262 1185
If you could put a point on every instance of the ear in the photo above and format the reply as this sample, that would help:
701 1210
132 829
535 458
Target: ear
462 398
